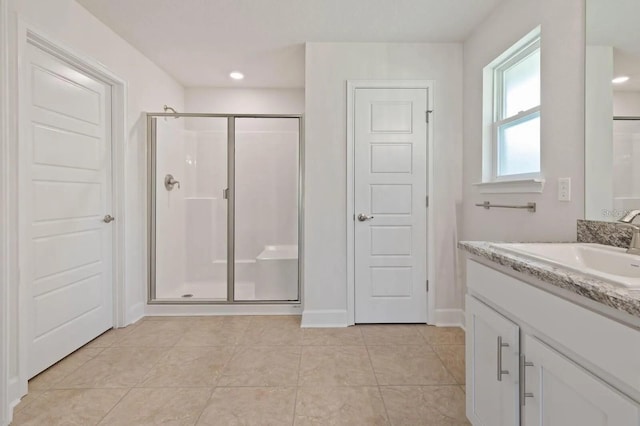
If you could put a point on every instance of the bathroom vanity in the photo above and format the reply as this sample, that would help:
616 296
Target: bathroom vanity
550 342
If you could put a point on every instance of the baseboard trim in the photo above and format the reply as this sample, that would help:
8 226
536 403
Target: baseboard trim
330 318
15 395
136 312
450 318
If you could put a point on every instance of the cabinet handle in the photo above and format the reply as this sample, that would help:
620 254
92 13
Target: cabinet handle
500 370
523 380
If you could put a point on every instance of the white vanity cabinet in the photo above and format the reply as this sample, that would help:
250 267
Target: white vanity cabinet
565 365
562 393
492 369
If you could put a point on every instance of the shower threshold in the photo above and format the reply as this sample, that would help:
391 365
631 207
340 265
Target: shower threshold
210 290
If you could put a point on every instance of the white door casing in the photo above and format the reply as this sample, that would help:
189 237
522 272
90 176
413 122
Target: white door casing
4 217
390 190
66 248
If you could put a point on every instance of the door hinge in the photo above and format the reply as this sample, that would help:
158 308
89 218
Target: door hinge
427 286
426 115
427 201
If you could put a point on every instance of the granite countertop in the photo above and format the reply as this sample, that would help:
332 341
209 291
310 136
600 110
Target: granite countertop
622 299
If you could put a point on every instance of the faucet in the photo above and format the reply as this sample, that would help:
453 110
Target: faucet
170 182
626 220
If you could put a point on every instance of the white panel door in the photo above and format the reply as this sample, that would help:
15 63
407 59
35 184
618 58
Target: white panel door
390 192
492 344
65 192
564 394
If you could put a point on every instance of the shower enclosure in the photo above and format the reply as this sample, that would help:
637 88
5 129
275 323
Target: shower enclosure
225 199
626 156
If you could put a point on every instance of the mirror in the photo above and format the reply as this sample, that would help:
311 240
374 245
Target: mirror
612 109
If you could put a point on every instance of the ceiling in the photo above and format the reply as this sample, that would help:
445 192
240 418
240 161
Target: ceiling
626 64
199 42
615 23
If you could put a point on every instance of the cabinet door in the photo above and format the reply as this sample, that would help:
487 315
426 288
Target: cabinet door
565 394
492 366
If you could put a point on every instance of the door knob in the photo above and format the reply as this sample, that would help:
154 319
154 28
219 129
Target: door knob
108 218
362 217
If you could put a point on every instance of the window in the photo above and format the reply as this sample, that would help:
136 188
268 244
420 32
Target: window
512 113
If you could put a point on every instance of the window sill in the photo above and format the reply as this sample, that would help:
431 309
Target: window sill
519 186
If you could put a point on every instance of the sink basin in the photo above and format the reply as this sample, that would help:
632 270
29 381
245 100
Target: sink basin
606 263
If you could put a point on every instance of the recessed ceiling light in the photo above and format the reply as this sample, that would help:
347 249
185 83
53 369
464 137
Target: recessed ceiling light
236 75
621 79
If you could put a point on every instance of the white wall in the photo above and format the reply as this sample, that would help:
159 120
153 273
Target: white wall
5 224
244 101
328 67
599 133
562 126
149 88
171 219
266 187
626 103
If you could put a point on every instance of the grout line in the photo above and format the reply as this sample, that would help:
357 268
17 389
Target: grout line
153 365
61 379
384 404
206 404
445 366
224 367
215 386
295 400
434 385
114 405
40 393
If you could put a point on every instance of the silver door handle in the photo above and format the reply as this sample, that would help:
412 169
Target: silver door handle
523 380
362 217
108 219
500 370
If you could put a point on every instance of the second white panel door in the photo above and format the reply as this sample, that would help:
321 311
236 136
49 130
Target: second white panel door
390 205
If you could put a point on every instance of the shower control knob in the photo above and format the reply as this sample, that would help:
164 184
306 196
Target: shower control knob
362 217
108 219
170 182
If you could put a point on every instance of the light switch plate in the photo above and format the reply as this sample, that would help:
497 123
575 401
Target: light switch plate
564 189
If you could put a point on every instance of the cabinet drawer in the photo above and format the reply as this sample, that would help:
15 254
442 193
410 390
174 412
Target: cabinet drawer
585 336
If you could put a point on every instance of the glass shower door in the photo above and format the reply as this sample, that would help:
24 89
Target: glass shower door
224 208
626 156
190 222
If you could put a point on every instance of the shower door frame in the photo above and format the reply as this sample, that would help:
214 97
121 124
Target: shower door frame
151 212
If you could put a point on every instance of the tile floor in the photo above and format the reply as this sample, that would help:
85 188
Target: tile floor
245 370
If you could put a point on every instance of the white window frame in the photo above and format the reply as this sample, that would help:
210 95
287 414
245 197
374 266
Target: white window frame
498 108
493 121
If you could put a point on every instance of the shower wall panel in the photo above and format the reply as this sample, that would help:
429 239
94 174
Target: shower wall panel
170 207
